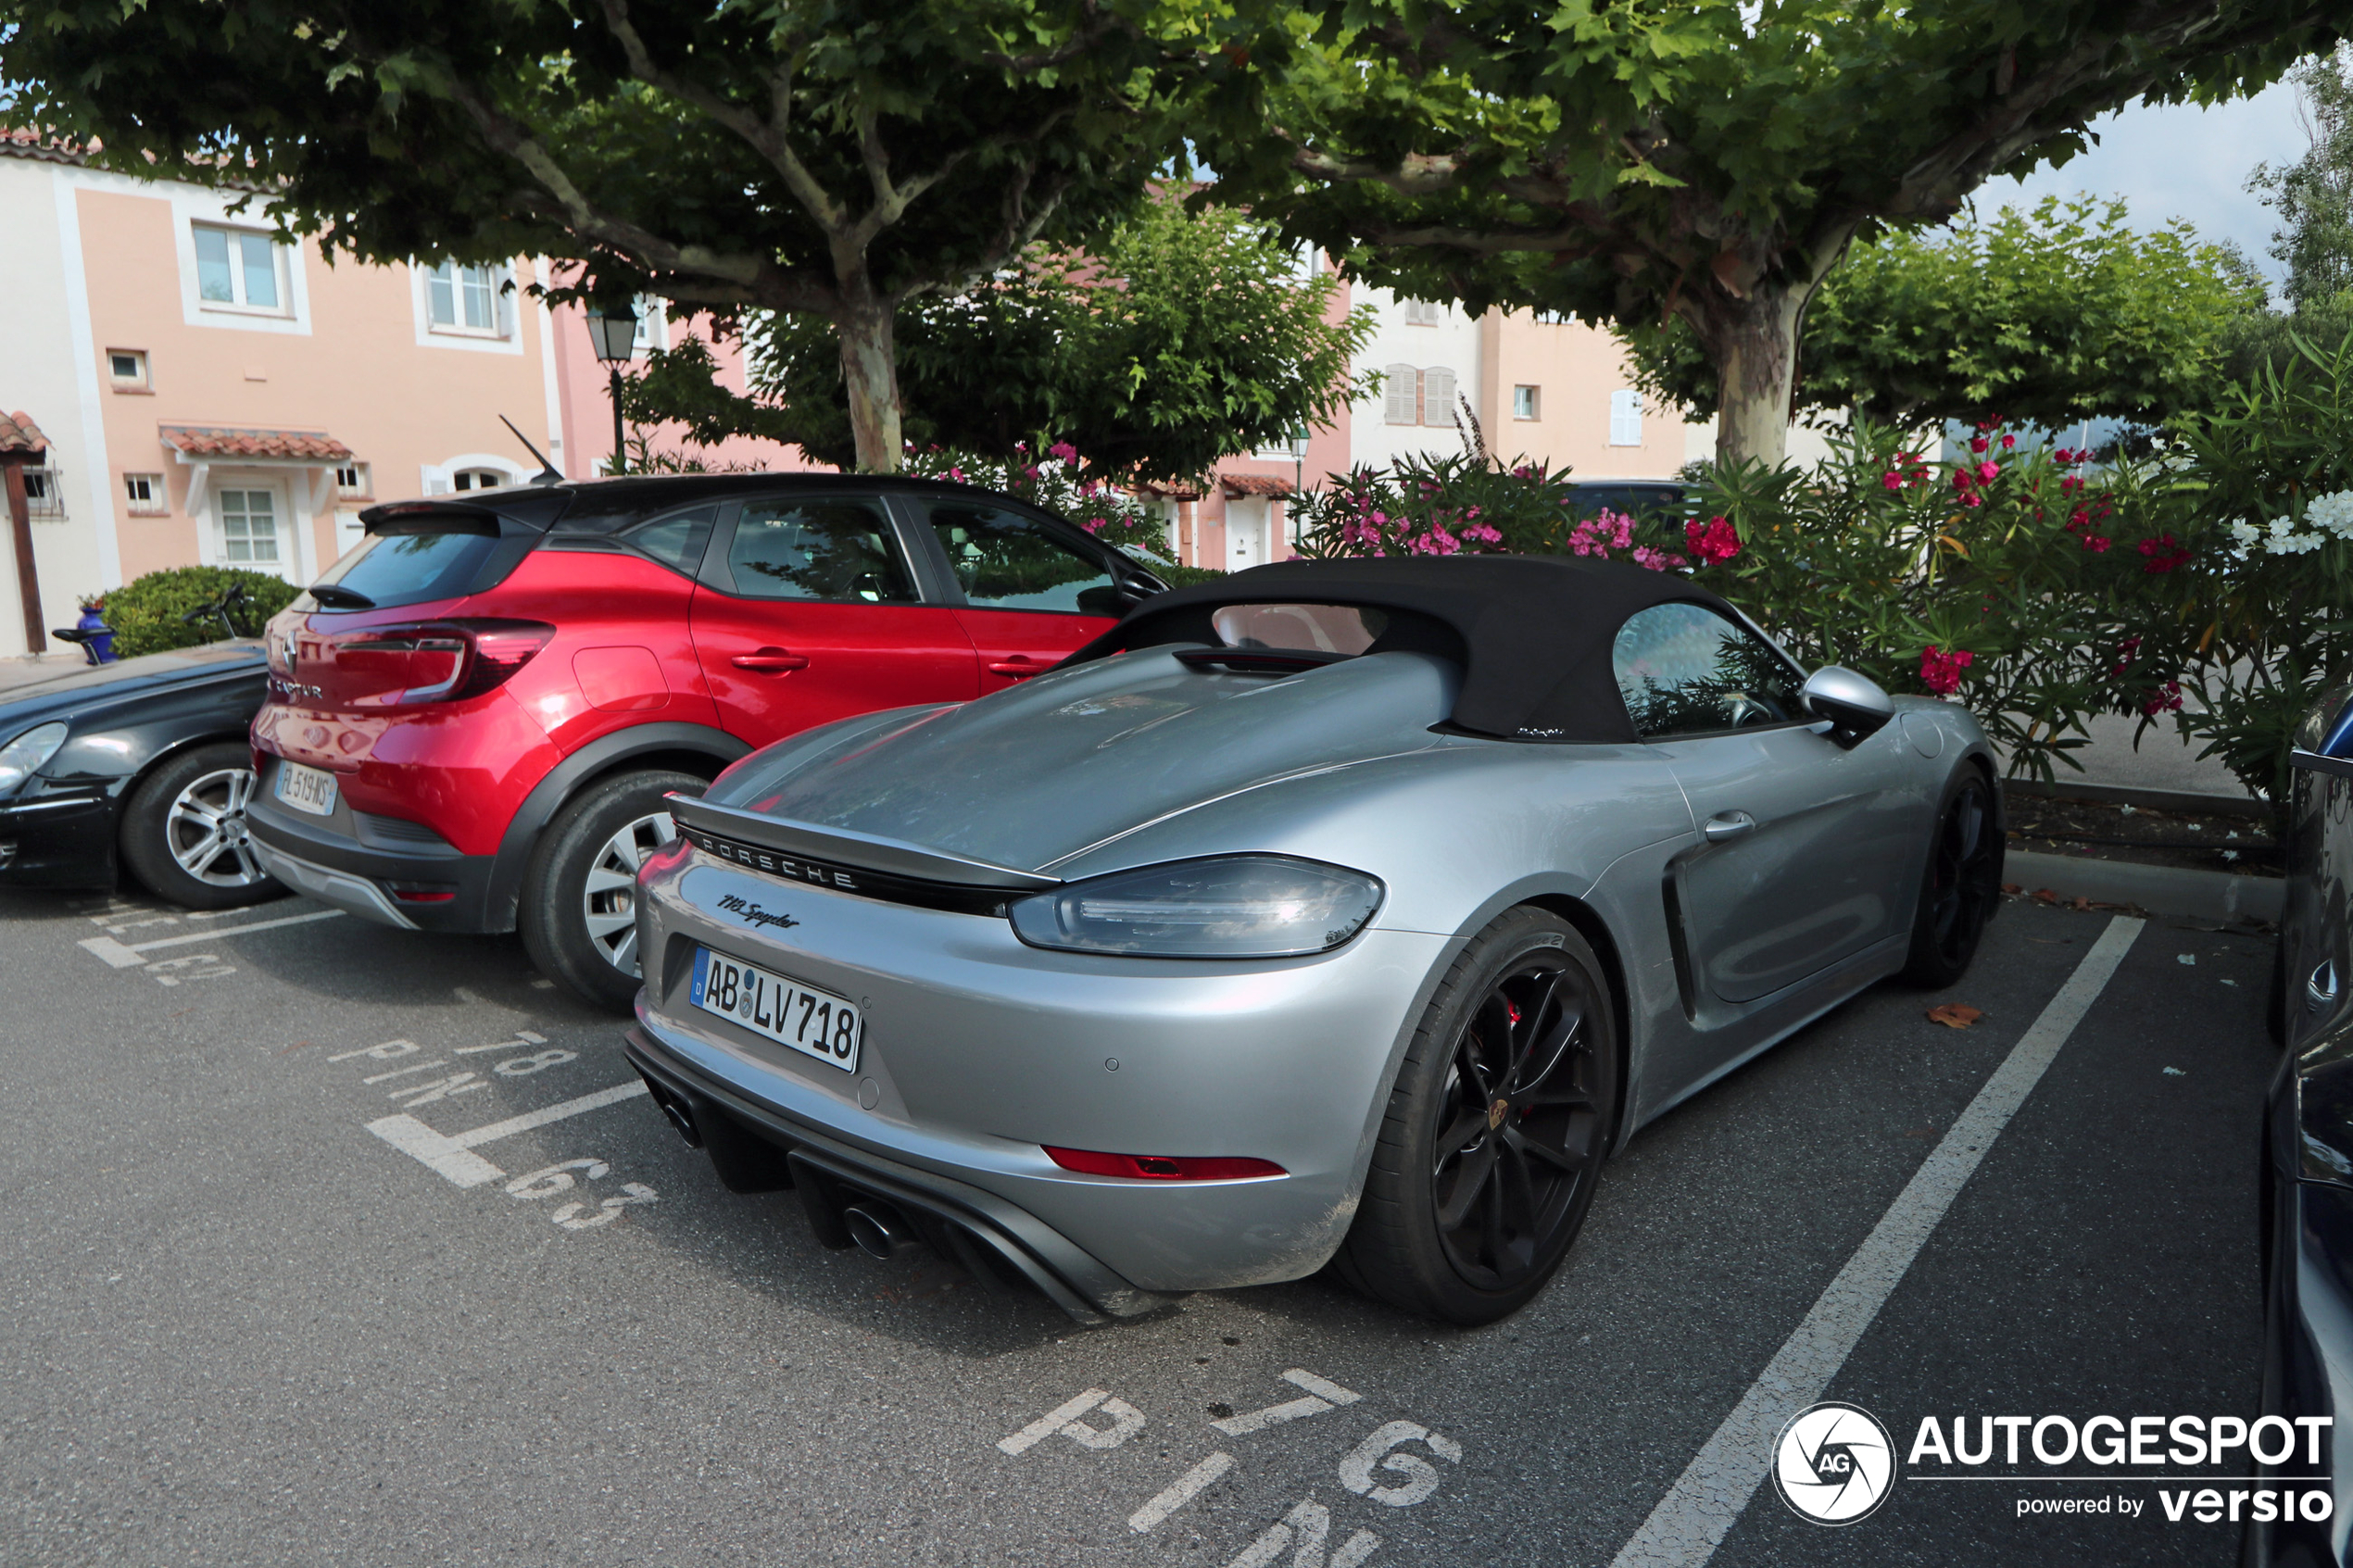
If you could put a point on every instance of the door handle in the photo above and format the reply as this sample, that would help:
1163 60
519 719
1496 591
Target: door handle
1018 666
771 662
1725 826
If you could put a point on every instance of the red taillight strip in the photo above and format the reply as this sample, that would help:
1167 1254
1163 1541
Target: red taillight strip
1164 1167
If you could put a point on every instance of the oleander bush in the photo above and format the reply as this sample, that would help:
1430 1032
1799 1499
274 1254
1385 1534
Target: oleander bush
145 613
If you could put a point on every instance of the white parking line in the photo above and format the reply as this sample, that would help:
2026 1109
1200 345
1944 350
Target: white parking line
452 1155
1700 1510
122 955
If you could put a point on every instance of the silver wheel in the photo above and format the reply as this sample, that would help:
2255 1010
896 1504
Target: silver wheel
205 830
609 901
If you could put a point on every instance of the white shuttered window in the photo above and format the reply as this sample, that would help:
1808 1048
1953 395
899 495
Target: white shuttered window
1625 417
1401 394
1438 396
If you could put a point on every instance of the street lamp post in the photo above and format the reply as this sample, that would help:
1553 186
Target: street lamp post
613 331
1298 482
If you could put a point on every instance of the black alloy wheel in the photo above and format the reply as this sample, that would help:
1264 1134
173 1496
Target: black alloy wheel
1520 1131
1962 884
1496 1131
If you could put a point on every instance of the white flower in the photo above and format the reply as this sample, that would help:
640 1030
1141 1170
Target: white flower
2334 513
2246 537
2281 539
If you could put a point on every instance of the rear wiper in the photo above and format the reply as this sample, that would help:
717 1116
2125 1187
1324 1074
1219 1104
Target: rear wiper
335 597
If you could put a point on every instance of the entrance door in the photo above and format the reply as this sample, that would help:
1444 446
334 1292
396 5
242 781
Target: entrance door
1246 530
808 612
251 530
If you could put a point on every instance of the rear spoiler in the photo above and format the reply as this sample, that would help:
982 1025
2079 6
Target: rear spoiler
521 508
811 853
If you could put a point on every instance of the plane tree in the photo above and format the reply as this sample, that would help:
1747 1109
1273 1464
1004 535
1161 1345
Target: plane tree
1702 161
829 157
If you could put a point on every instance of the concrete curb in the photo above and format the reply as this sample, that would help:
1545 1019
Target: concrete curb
2181 801
2161 890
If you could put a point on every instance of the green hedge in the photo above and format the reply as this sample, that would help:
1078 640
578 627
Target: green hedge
146 611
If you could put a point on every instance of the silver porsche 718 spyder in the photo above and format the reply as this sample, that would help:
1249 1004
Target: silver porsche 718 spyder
1334 914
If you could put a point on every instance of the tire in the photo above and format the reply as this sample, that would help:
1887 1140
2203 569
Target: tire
578 908
1960 885
183 832
1499 1123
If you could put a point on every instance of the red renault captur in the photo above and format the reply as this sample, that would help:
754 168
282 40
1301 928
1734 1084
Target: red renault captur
473 716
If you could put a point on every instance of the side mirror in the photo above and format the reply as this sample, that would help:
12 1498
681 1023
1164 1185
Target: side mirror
1854 706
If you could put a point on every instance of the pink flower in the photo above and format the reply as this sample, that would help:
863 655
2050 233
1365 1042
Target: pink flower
1484 533
1655 560
1715 540
2167 700
1986 471
1977 443
2161 554
1941 672
2009 442
1093 525
1893 480
955 475
1434 542
1063 450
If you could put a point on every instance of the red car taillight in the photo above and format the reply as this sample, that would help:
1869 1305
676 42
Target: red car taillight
1164 1167
451 660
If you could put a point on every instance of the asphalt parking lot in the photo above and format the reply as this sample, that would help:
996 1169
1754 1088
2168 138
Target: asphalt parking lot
263 1307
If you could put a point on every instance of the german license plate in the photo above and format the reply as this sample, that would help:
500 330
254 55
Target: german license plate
798 1017
306 789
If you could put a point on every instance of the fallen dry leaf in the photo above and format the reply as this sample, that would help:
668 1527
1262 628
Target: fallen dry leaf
1954 1015
2080 903
2013 888
2044 896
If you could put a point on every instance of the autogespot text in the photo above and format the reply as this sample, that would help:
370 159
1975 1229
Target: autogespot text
2020 1444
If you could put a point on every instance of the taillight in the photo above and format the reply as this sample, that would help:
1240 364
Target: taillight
1164 1167
451 660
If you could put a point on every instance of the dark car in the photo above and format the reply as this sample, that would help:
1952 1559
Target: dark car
1638 498
140 764
2308 1165
474 716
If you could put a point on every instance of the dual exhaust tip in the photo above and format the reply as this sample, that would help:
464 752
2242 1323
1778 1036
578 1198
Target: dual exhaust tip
875 1228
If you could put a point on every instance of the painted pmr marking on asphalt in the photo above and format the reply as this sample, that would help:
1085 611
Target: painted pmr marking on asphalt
1322 1395
1707 1499
452 1155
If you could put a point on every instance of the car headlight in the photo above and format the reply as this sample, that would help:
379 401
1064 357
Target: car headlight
22 757
1234 907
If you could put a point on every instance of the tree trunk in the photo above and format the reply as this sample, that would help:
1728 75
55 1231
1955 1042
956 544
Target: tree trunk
1754 343
870 372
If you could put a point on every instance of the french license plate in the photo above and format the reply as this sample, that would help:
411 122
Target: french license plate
798 1017
306 789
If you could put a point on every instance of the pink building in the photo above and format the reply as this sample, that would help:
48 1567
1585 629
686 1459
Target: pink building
211 397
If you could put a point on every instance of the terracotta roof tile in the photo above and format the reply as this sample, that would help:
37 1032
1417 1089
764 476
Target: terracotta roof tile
1253 484
198 441
18 433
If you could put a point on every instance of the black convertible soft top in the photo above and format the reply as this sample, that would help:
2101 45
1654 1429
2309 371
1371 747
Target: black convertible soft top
1532 633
